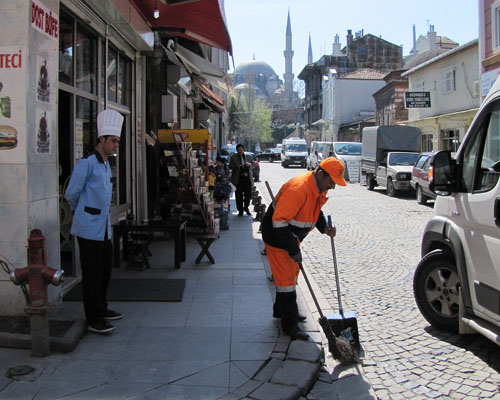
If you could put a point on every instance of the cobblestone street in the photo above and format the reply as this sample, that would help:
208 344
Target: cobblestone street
378 248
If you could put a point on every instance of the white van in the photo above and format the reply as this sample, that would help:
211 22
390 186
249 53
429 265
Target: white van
457 282
316 154
350 154
294 152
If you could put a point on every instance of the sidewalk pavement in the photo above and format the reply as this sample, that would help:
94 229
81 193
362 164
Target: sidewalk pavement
219 342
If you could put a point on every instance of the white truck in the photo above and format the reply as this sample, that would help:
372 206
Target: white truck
388 155
294 152
457 282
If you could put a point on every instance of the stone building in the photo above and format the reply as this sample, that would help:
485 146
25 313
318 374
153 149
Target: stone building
361 51
389 100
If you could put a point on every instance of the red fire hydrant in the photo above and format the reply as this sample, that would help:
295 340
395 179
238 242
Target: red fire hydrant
37 275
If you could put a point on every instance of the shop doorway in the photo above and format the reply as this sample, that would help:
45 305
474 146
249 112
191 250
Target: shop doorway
65 146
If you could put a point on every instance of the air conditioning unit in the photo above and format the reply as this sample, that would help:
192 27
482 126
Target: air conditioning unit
168 108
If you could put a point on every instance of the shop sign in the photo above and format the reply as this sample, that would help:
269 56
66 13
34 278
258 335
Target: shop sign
12 104
44 20
417 99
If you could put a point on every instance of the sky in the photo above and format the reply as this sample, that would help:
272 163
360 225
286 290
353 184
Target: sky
258 27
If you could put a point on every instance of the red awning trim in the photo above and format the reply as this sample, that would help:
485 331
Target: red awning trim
202 21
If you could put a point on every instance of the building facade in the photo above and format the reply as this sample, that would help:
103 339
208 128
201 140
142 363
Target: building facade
361 52
63 61
389 100
347 102
452 79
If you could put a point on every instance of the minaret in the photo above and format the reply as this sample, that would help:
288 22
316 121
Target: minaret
288 53
310 51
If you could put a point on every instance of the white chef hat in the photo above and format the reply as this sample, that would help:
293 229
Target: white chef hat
109 122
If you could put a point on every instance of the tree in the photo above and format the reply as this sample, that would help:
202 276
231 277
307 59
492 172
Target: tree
250 120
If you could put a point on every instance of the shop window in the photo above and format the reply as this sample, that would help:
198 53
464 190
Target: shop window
111 73
85 126
427 142
124 80
86 60
66 50
450 140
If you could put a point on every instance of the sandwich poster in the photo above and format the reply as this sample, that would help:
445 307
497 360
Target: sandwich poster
13 61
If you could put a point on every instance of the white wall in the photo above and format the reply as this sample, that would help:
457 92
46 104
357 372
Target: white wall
466 66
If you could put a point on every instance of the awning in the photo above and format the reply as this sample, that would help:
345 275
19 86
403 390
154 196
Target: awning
214 101
202 21
194 63
189 135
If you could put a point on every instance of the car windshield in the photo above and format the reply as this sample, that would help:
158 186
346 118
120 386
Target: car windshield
403 158
349 149
320 147
296 147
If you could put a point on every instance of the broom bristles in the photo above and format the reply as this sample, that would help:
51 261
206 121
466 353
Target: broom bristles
340 348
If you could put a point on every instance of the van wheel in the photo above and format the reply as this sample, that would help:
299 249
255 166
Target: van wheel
370 182
391 191
421 199
435 287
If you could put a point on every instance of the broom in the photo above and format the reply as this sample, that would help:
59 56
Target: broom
339 347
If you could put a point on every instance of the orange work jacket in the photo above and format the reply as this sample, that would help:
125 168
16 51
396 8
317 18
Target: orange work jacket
296 210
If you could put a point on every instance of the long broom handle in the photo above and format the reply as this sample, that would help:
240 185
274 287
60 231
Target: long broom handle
311 289
334 255
301 267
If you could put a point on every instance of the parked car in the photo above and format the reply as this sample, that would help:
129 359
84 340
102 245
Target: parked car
256 166
350 154
269 155
457 282
316 154
420 178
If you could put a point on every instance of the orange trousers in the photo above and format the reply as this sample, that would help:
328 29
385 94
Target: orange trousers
285 270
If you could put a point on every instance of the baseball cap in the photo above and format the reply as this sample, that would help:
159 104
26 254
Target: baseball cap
334 168
109 122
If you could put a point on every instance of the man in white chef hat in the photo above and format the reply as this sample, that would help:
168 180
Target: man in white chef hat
89 196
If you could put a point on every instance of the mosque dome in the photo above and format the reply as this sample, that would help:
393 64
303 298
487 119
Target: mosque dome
254 67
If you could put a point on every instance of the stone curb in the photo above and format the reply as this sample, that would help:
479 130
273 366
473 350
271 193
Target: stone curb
289 373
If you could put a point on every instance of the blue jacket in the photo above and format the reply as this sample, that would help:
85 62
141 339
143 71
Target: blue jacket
89 195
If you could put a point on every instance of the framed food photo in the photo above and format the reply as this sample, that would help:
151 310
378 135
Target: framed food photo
13 105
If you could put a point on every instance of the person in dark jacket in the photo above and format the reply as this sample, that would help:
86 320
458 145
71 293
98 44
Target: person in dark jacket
241 165
295 211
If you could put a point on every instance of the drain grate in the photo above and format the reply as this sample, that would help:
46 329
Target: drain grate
19 371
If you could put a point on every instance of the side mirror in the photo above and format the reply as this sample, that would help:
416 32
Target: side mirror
441 173
316 152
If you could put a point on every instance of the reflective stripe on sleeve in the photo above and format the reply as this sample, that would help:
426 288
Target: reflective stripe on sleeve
280 224
285 289
300 224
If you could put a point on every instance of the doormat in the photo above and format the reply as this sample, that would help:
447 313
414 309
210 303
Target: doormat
137 290
21 325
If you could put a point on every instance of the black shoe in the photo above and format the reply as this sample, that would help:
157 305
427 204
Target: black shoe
247 211
112 315
101 327
240 214
296 333
300 317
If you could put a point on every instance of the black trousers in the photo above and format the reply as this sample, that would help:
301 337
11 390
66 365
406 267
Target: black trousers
96 259
243 194
285 306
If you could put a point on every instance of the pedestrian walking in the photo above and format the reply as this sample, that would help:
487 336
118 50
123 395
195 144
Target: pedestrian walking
295 211
241 166
89 195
